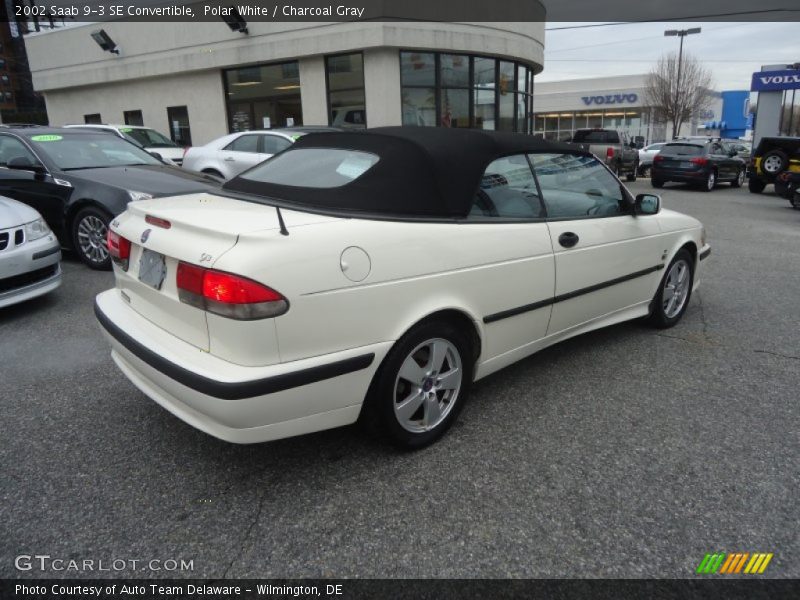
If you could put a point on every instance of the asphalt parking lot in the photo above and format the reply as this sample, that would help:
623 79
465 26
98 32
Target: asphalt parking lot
629 452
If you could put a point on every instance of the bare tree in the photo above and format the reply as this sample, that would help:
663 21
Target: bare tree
677 100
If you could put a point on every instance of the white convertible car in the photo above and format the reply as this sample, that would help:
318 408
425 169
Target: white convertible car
377 274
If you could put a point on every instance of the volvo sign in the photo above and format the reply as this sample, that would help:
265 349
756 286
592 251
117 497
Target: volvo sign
775 81
611 99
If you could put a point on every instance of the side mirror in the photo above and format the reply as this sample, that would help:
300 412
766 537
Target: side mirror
157 155
23 163
647 204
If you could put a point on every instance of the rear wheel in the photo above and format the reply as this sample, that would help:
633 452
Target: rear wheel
89 230
422 385
674 292
657 183
756 186
739 181
644 171
632 175
711 181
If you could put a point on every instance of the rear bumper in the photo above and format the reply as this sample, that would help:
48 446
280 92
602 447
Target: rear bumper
678 175
232 402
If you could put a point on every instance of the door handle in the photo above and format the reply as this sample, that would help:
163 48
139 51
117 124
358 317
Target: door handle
229 159
568 239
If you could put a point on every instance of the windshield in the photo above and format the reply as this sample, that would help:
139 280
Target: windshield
147 138
682 150
72 151
313 168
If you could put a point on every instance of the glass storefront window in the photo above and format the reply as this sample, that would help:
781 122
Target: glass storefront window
419 107
263 96
346 97
417 68
179 130
454 70
465 91
455 108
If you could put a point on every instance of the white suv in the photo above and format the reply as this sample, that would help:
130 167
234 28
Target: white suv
149 139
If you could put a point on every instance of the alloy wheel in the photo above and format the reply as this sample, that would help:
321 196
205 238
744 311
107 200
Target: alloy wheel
427 385
711 181
92 233
676 288
740 178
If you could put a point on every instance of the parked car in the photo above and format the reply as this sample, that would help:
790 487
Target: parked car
79 180
231 154
646 158
743 149
151 140
29 254
773 156
612 146
327 285
698 162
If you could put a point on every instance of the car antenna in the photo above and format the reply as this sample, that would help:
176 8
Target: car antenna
284 231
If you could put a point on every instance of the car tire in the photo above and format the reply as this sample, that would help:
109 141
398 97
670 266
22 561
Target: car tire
657 183
644 171
407 402
632 175
89 229
755 185
783 190
796 200
710 182
774 162
666 310
739 181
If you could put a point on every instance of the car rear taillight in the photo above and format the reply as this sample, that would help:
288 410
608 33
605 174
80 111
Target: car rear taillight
658 158
119 248
699 161
227 294
609 153
185 150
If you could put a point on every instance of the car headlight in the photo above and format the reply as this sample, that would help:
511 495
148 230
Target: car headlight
37 229
134 196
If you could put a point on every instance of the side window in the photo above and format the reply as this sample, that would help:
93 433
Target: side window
244 143
274 144
507 190
12 148
716 149
577 187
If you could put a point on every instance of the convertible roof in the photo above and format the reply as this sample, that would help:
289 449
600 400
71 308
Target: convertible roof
422 171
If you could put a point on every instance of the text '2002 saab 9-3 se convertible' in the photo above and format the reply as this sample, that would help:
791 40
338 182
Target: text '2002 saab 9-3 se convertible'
377 274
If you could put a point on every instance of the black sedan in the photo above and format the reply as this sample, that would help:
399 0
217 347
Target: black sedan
79 180
697 162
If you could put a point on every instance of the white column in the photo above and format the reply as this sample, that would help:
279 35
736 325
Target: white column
313 94
382 83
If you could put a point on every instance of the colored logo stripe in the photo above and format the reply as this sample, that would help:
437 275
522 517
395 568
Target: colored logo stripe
733 563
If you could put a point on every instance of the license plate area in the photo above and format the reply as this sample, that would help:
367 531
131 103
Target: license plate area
152 268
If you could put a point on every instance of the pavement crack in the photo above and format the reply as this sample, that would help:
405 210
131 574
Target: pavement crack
777 354
243 545
702 314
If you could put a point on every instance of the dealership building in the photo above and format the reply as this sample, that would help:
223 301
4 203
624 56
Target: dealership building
620 103
204 80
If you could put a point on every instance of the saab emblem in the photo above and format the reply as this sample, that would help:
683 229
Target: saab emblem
206 257
145 235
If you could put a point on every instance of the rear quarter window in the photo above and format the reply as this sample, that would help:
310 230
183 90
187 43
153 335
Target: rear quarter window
313 168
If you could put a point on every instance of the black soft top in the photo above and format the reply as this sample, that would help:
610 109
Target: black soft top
422 171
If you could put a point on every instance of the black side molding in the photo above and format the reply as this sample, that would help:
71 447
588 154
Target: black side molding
233 391
704 254
48 252
512 312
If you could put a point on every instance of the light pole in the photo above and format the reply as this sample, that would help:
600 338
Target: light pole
681 33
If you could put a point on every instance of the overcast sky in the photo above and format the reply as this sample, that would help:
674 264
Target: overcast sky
732 51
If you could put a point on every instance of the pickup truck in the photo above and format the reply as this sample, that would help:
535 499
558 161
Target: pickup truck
613 147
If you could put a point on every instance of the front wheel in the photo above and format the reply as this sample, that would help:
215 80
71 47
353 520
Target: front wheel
674 291
89 230
739 181
632 175
421 386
